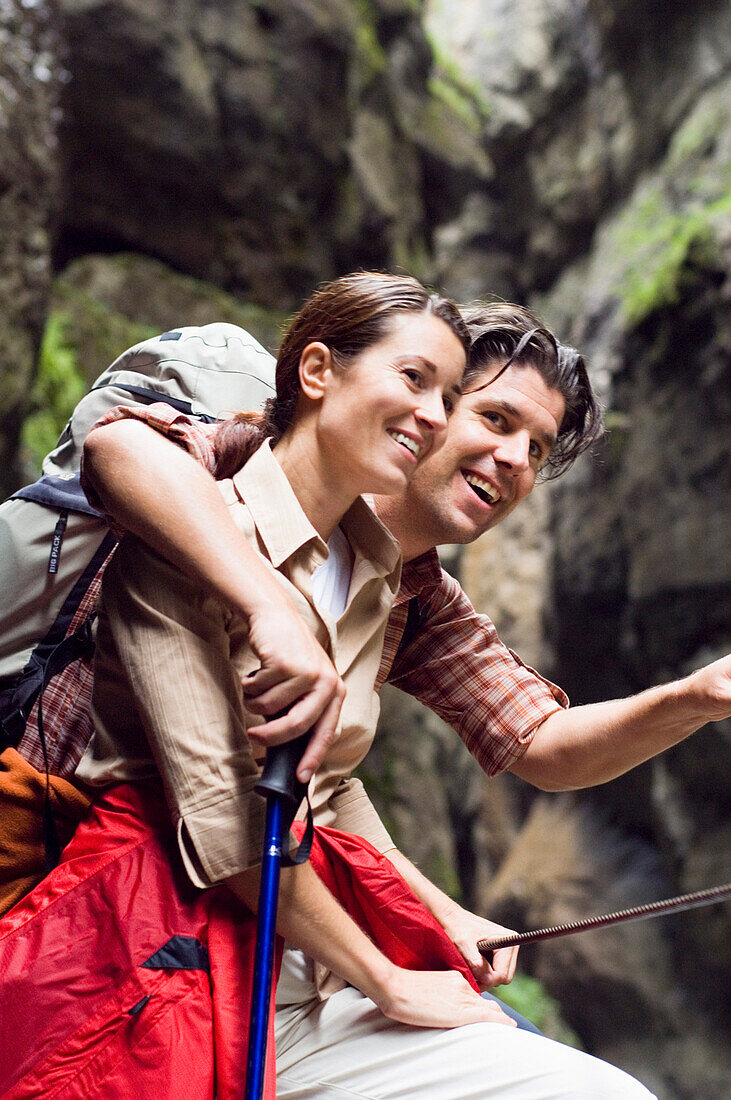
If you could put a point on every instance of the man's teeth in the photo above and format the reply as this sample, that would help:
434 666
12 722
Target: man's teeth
483 488
410 444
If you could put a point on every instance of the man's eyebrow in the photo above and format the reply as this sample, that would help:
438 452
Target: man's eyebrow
548 438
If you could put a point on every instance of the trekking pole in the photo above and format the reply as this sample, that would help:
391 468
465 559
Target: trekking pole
284 793
638 912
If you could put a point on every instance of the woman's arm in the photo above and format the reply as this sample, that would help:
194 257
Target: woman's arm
164 659
310 918
157 491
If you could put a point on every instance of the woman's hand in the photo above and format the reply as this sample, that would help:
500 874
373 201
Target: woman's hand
436 998
465 929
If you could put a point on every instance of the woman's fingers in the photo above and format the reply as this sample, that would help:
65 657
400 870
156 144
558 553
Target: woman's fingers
439 999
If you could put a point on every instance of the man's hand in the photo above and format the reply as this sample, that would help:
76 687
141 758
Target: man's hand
297 677
465 929
712 686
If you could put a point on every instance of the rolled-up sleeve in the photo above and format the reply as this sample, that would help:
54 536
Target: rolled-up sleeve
457 666
176 647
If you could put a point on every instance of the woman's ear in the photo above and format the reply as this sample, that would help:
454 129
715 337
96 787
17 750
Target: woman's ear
315 367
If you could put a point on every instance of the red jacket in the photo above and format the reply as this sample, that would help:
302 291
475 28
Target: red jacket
120 979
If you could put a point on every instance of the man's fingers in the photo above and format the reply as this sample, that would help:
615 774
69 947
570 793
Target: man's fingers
281 696
323 735
307 713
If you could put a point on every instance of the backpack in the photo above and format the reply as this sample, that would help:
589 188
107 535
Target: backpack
54 544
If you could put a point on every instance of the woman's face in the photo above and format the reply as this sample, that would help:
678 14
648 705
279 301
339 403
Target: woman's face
382 415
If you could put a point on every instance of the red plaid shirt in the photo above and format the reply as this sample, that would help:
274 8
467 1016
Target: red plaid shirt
448 656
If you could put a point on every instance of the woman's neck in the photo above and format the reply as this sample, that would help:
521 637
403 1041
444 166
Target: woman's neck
315 481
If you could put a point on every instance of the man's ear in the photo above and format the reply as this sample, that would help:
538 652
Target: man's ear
315 367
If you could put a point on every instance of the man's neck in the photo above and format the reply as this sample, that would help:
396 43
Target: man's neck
392 512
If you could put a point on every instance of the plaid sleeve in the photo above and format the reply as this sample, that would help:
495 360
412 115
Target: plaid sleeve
458 667
195 436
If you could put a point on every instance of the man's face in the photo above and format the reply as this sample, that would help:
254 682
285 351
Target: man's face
499 436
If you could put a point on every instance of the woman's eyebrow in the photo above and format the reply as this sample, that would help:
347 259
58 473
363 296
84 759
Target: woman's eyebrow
427 363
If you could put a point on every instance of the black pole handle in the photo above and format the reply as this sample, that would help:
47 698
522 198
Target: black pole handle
279 776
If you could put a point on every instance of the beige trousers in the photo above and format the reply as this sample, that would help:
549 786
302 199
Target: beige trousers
346 1049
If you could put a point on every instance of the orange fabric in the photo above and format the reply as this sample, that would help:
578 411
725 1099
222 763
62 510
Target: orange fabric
22 796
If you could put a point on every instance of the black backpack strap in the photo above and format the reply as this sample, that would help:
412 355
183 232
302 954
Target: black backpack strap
54 653
150 396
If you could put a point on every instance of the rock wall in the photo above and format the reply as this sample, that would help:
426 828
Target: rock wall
30 81
569 153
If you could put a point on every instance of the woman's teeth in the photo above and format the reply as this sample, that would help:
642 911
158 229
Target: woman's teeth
407 442
483 488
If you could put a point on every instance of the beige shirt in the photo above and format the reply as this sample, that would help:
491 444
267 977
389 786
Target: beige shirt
169 662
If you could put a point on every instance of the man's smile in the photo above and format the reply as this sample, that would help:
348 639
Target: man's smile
482 488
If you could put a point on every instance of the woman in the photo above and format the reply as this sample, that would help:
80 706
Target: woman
366 376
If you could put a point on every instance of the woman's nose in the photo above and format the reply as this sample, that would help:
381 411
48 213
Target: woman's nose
432 411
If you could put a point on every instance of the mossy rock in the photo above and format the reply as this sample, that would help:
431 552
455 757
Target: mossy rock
661 250
146 292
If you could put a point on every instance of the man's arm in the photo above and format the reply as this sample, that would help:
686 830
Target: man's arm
157 491
592 744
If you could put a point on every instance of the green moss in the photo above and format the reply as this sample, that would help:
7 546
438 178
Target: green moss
371 58
452 81
457 101
658 249
528 997
97 334
59 386
697 136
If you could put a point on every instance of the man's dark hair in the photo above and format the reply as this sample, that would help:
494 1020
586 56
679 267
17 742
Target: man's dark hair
512 335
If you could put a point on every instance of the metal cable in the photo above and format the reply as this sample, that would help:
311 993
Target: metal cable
638 912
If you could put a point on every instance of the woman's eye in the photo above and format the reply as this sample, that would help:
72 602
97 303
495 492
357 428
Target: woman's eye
414 375
448 405
494 418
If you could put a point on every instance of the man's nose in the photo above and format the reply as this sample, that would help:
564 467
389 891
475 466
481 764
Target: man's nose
514 452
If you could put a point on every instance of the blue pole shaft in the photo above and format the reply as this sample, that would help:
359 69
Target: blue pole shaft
264 958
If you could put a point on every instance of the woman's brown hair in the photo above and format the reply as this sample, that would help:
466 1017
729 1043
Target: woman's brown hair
348 315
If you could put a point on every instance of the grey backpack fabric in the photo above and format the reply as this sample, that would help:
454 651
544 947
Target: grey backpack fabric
54 544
